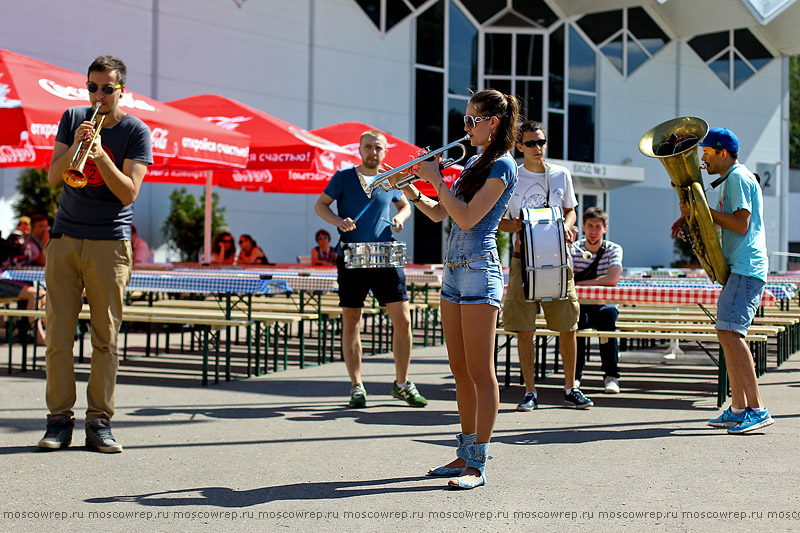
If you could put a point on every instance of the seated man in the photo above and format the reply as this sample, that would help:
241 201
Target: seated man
34 244
604 268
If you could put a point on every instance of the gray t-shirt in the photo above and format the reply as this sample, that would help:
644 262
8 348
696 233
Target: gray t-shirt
94 212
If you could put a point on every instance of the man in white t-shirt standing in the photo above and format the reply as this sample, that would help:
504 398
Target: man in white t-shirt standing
541 184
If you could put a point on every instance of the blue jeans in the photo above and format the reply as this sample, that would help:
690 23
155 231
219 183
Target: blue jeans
601 318
738 303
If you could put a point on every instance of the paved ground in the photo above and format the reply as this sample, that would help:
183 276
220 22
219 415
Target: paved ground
282 452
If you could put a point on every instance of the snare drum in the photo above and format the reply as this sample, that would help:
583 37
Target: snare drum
544 254
374 254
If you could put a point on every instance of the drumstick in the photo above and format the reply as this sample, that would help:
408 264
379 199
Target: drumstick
363 210
388 221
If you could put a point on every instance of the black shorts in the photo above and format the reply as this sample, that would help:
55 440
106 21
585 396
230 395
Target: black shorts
387 284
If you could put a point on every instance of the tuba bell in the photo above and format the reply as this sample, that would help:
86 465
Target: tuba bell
675 142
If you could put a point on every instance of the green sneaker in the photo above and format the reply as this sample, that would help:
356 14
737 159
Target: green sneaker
409 394
358 396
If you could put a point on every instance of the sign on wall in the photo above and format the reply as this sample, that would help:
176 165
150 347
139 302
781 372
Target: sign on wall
769 178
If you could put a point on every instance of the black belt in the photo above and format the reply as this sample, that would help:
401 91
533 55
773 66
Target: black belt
55 235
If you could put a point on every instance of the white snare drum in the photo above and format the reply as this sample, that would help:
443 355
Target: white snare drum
544 254
374 254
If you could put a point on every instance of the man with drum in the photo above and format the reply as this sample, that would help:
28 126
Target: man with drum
536 178
604 267
740 213
362 219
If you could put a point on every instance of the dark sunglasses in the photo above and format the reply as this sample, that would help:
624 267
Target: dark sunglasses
107 89
323 238
531 143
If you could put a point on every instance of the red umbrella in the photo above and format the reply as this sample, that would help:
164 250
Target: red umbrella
34 95
399 152
283 157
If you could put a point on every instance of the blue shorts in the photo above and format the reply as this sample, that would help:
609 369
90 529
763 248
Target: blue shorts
477 280
738 303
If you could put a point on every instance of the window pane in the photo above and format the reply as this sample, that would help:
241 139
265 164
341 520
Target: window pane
721 68
581 63
555 135
529 55
430 36
750 47
646 31
417 3
483 10
396 11
373 10
536 10
710 44
636 56
601 26
504 86
498 54
613 51
741 71
428 111
463 62
581 128
530 95
456 108
556 87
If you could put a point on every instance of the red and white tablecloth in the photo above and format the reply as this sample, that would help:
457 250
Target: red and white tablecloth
658 295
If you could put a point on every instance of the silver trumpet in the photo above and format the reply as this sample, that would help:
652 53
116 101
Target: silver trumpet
370 183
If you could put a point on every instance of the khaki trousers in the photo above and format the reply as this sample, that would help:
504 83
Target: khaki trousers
103 269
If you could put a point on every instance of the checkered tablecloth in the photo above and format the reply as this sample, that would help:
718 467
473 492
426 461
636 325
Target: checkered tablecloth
659 295
779 291
308 282
149 281
423 277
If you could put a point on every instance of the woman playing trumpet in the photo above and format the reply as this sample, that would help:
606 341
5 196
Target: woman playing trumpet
473 277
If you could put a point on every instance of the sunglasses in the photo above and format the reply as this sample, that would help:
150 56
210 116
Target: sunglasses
471 121
323 238
107 89
531 143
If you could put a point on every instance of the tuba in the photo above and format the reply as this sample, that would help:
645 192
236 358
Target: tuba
675 142
74 176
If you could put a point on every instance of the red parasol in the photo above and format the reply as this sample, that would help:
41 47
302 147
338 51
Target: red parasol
34 95
283 157
398 152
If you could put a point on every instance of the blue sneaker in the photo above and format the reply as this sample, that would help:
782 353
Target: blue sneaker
727 419
753 420
528 403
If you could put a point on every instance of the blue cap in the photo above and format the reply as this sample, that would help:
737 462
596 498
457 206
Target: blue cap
721 138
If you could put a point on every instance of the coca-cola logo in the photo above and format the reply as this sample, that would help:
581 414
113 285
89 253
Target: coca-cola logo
229 123
68 92
10 155
252 176
160 138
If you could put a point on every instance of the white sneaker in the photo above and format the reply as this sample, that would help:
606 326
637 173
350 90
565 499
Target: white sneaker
611 384
577 384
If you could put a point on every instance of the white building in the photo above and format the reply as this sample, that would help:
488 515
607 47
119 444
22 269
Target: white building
599 73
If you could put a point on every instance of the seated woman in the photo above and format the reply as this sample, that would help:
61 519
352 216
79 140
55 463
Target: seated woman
323 254
250 253
223 251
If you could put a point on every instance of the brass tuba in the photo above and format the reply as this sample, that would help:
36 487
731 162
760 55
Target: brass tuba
74 176
675 142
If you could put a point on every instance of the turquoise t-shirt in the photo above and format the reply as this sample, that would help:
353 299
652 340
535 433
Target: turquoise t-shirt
746 254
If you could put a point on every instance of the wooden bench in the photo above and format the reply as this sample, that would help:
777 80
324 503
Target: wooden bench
206 324
758 342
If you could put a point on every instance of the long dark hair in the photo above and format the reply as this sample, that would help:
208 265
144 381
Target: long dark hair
216 246
490 102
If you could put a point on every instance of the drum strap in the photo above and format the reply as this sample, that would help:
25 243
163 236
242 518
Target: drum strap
590 272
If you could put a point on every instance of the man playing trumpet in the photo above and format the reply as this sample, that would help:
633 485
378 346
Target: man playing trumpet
90 249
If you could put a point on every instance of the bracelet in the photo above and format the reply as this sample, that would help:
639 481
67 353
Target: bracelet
417 199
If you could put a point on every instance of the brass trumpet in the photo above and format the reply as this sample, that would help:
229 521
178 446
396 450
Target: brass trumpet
74 176
370 183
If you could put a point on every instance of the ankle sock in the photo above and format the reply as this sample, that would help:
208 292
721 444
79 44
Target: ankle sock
402 385
737 411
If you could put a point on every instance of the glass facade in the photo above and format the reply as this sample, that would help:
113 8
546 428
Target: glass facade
734 56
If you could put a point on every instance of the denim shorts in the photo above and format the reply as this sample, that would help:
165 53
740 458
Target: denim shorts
477 280
738 303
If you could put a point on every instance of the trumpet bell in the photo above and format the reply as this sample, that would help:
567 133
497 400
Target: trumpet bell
74 178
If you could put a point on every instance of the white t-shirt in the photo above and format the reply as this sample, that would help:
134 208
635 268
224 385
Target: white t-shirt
531 189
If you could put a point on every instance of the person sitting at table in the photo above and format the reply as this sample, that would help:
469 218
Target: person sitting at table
141 251
23 290
603 268
223 251
35 242
250 253
323 254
